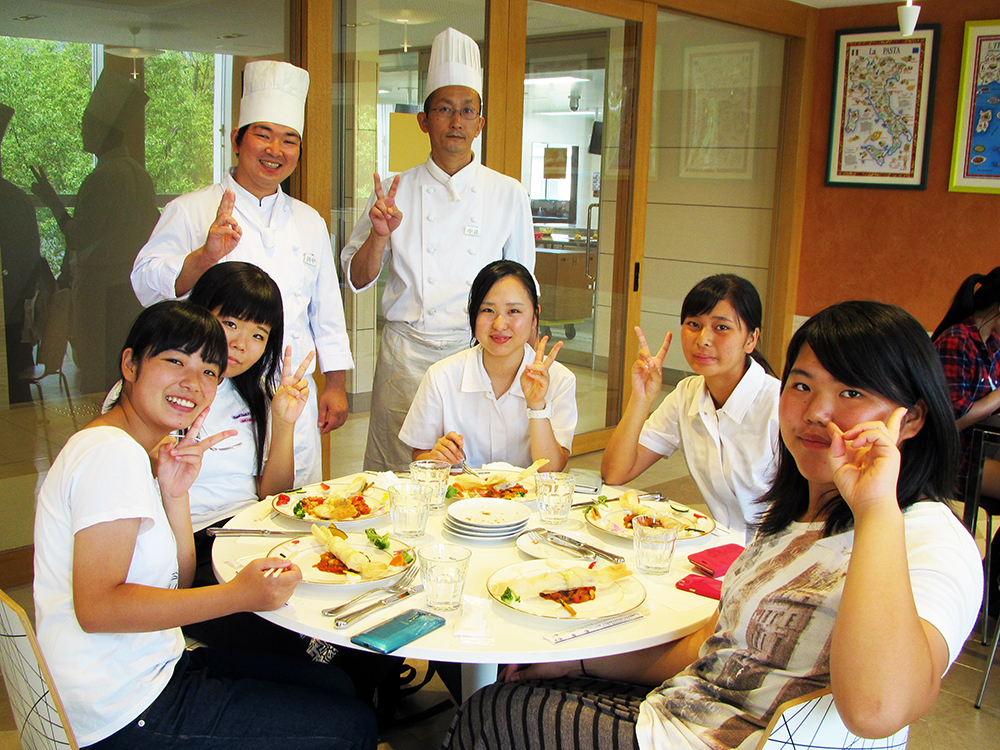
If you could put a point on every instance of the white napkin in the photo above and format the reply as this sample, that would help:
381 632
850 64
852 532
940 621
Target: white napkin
475 625
386 479
500 466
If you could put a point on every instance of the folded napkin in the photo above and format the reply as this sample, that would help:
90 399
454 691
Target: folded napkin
386 479
475 625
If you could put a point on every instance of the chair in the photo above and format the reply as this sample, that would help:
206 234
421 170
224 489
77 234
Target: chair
38 712
52 345
811 722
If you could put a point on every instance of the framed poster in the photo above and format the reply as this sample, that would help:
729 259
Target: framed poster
975 160
883 97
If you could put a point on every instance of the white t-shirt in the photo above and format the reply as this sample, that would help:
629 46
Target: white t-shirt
779 604
456 396
104 679
227 482
729 451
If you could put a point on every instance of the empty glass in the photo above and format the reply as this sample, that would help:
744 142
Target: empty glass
442 569
555 496
409 506
653 540
435 475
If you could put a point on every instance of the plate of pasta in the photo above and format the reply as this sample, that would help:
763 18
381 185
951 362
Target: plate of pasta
344 500
327 558
618 521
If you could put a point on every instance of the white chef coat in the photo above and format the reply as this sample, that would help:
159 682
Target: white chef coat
453 226
299 259
730 451
456 396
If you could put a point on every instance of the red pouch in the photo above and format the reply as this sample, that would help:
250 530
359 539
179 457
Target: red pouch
710 587
716 560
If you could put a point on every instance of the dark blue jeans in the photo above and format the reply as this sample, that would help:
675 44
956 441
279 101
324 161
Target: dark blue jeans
251 700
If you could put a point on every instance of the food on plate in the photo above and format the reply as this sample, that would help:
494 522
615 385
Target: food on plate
658 522
344 504
571 596
567 586
352 560
466 486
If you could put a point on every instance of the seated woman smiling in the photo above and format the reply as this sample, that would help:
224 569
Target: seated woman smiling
503 399
860 577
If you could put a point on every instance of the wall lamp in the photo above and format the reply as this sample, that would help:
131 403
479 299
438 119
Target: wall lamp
907 17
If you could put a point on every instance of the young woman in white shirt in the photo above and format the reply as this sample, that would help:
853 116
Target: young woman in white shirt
724 418
504 399
114 561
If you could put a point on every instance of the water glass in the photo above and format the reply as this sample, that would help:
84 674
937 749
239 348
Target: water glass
555 496
409 506
442 569
435 475
653 540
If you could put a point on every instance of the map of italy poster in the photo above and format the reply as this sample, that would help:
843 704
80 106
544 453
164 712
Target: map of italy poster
975 163
883 94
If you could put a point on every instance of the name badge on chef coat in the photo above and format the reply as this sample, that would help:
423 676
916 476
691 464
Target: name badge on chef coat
472 230
309 259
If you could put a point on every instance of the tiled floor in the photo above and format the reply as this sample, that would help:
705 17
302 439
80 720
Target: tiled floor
953 723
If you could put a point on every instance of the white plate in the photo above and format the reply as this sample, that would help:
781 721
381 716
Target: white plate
615 598
546 551
613 521
507 527
488 513
483 534
305 552
376 499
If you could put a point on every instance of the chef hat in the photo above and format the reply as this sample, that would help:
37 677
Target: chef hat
454 62
274 92
5 114
115 102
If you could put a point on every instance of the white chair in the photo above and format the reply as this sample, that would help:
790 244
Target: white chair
811 722
38 712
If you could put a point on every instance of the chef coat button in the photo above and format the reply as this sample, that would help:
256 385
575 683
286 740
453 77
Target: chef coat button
431 311
475 219
472 251
473 188
296 335
430 250
430 279
430 218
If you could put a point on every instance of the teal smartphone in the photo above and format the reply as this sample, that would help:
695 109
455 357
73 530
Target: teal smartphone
397 632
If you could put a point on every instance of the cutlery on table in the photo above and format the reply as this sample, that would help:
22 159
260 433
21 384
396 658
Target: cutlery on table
344 620
539 536
220 531
401 584
467 470
576 543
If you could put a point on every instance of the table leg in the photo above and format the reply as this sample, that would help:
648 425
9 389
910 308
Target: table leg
975 482
475 676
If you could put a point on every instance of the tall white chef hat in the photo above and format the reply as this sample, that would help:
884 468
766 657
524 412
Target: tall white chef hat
454 62
115 102
275 92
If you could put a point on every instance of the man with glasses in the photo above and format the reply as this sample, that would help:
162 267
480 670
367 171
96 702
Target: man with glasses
436 225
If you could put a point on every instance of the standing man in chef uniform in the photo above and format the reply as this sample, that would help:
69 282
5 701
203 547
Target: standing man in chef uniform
436 225
247 217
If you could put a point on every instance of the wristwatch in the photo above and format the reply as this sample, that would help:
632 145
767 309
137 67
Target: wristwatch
543 413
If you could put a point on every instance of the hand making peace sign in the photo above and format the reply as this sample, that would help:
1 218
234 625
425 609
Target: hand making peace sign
535 377
178 463
384 215
293 391
647 372
224 234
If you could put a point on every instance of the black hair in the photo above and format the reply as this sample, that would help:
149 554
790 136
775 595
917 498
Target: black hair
738 292
881 349
490 275
178 326
242 132
245 291
969 299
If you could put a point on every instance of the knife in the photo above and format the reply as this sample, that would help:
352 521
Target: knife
344 620
218 531
609 556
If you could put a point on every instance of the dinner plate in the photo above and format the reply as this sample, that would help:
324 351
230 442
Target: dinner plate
498 528
305 552
613 521
615 598
284 503
484 533
528 484
490 513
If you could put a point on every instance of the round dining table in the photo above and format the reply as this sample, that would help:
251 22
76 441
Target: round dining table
511 637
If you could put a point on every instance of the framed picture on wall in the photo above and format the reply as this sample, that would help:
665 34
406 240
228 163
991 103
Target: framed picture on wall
883 98
975 160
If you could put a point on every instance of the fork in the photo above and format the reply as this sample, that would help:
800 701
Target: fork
467 470
403 582
539 538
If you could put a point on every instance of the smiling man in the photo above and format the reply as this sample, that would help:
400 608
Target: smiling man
436 226
247 217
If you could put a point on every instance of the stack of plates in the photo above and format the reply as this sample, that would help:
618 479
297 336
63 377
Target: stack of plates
487 518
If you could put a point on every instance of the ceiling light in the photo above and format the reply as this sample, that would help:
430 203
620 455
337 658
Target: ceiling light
554 79
907 15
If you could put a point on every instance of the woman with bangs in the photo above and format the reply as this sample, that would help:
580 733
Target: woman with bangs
860 578
114 562
724 418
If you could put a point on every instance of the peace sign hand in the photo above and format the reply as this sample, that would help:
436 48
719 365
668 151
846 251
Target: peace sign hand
178 464
384 214
535 377
224 234
290 399
647 372
865 462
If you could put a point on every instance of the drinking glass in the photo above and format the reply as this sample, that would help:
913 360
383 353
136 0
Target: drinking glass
435 475
442 569
409 506
555 496
653 540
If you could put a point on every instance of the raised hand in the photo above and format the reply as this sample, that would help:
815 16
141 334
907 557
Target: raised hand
865 462
449 448
384 214
224 234
178 464
647 372
293 390
535 377
43 188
